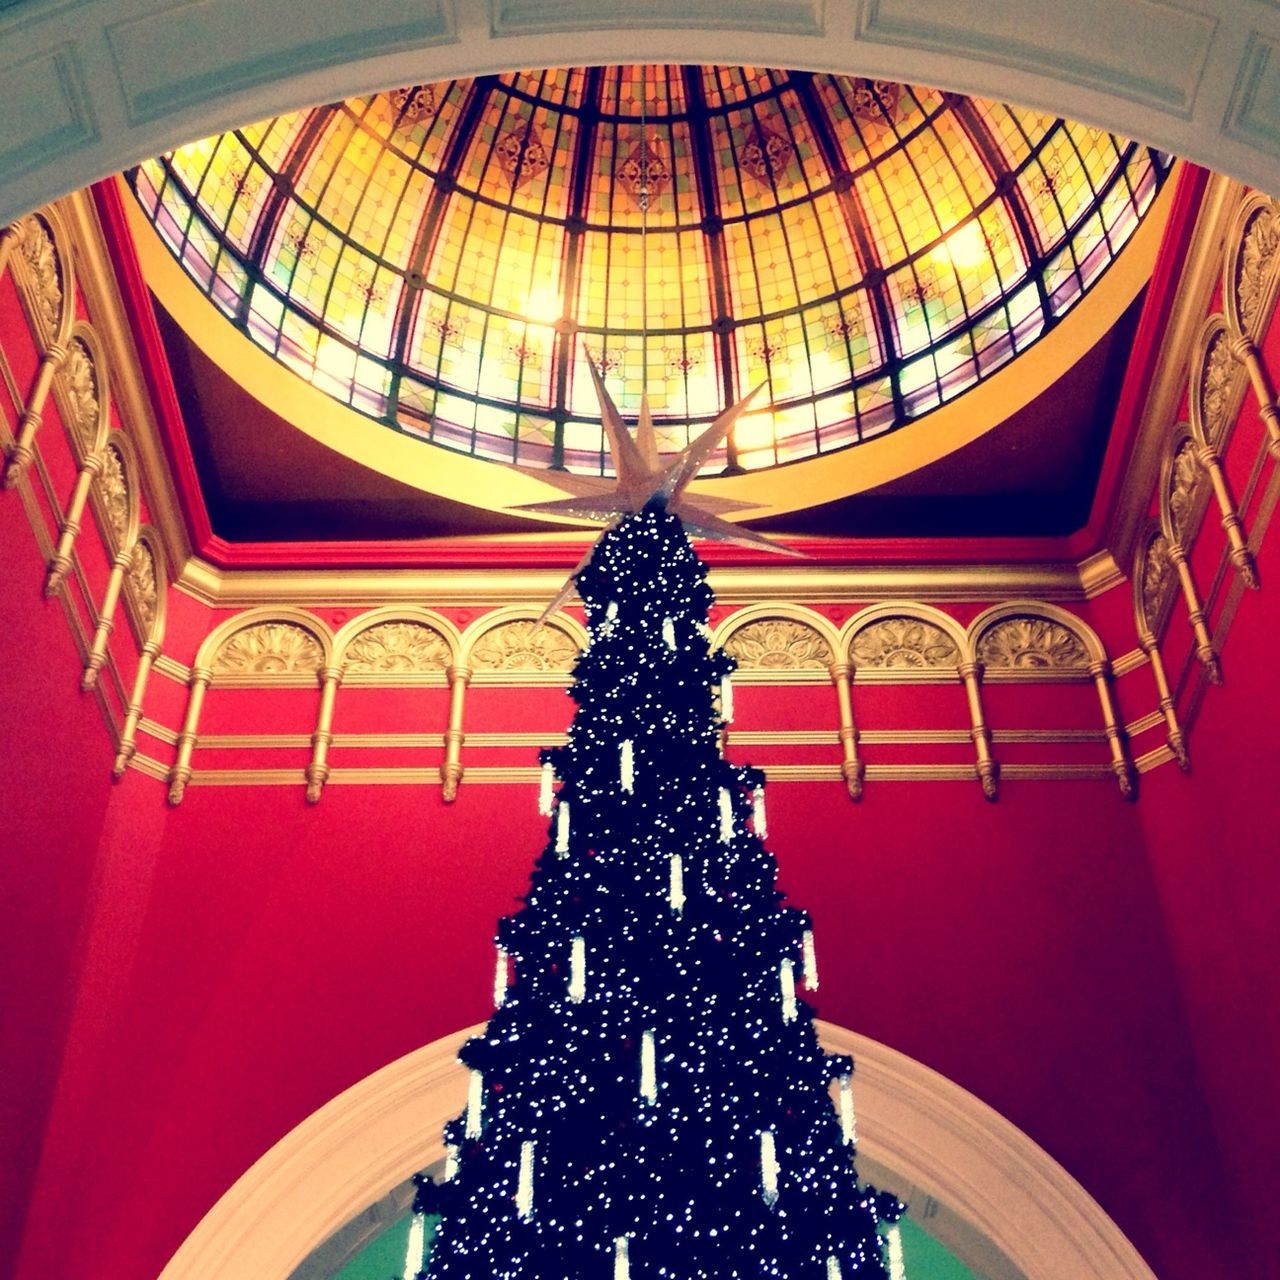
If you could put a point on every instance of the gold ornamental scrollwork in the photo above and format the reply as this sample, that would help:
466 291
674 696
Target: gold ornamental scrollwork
1157 580
80 383
1216 385
44 266
778 644
114 487
269 649
525 645
1253 282
398 648
1032 644
143 583
1183 481
903 644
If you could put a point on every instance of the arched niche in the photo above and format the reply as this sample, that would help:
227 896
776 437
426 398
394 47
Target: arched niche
45 277
779 643
1216 384
513 646
904 642
115 494
397 645
147 587
267 646
919 1133
1033 640
1251 271
82 393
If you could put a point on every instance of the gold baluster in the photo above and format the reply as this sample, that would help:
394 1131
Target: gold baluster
986 768
133 712
851 768
451 770
33 414
181 773
1243 349
1195 615
1121 764
60 564
318 769
106 621
1241 556
1173 730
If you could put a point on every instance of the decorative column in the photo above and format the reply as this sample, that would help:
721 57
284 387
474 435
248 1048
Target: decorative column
1173 730
33 414
1121 764
1244 350
9 238
181 774
1241 556
987 770
106 621
851 768
133 712
1195 615
318 769
60 564
451 769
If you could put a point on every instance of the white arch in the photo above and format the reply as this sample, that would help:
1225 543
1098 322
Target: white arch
915 1126
92 88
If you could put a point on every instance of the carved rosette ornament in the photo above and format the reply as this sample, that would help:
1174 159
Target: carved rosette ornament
525 646
40 256
1257 250
398 648
1182 489
778 644
1157 575
115 492
143 583
903 644
269 649
80 382
1031 644
1216 376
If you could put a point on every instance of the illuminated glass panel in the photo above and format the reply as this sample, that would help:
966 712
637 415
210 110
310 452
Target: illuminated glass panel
443 257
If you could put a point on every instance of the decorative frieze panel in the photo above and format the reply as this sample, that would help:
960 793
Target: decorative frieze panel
525 645
269 649
144 584
398 648
113 485
1214 385
778 644
1156 582
1031 644
903 644
1252 278
80 386
1183 481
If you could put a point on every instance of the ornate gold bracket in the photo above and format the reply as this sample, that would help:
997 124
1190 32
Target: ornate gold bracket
318 770
33 414
451 770
986 768
851 768
106 621
181 773
1241 556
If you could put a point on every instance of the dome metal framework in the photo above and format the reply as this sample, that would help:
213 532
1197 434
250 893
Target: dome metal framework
446 257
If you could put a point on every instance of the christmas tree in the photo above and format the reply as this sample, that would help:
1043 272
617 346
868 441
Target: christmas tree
649 1098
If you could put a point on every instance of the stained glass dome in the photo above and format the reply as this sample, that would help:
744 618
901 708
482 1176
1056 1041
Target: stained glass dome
446 257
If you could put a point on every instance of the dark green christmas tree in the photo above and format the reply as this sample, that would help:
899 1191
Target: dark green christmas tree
649 1099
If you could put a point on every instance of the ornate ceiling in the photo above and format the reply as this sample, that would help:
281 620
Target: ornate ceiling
443 257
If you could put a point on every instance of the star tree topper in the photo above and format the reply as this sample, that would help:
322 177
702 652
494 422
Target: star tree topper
643 478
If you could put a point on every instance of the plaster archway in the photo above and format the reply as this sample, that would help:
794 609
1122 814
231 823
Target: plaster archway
918 1131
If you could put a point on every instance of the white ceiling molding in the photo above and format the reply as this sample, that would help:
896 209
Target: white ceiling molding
91 86
1009 1210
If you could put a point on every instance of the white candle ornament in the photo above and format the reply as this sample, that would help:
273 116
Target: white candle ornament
524 1184
810 961
768 1167
758 819
669 633
578 970
726 816
544 789
726 699
787 985
414 1255
676 892
562 827
500 980
648 1068
475 1100
450 1162
897 1266
833 1268
627 765
848 1121
621 1259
